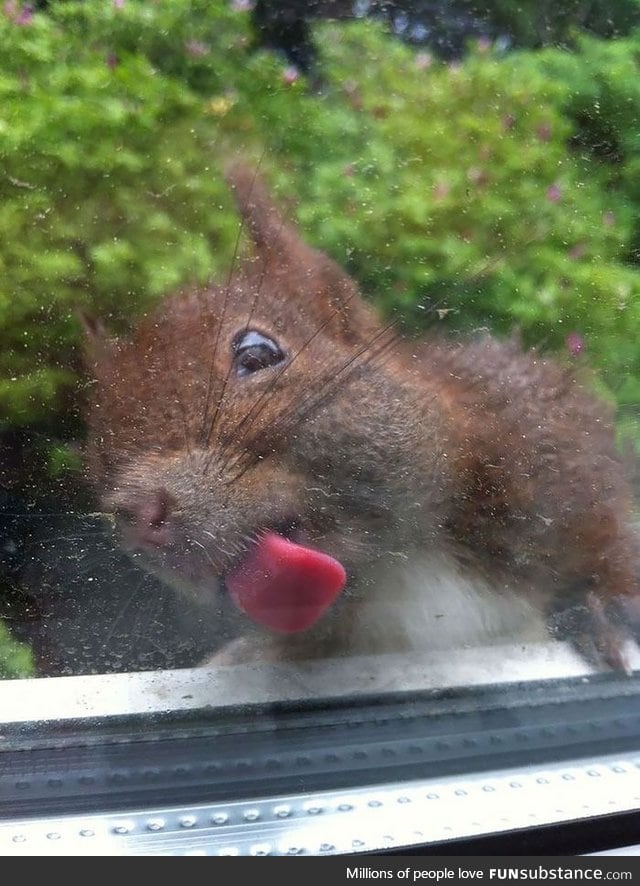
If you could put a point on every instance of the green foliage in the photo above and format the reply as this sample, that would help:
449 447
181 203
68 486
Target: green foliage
16 659
533 23
107 194
603 101
501 191
470 198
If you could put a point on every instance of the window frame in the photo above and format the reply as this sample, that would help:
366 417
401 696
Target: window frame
177 752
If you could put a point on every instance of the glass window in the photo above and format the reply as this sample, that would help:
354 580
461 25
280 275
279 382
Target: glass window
319 411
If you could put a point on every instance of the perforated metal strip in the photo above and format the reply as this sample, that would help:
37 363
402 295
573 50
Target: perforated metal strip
339 822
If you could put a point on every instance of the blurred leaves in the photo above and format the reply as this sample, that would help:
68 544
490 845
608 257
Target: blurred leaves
16 659
501 190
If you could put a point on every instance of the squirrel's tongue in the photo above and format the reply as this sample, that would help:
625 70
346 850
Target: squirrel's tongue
285 586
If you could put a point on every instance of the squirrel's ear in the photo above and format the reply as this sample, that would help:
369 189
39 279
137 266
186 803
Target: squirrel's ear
304 272
96 341
265 223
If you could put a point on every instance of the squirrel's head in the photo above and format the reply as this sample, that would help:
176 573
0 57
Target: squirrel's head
243 411
287 322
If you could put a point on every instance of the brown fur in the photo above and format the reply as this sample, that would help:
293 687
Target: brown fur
372 445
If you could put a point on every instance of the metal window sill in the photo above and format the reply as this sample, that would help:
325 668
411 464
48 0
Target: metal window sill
105 695
375 814
425 812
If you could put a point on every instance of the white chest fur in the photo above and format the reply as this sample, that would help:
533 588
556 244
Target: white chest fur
429 603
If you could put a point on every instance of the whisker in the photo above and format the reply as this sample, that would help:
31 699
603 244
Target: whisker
323 387
333 379
260 403
206 436
207 554
31 546
174 385
230 367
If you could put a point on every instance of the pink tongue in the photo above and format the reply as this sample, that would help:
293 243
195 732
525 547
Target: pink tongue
285 586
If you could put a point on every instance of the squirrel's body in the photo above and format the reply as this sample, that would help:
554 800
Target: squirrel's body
465 489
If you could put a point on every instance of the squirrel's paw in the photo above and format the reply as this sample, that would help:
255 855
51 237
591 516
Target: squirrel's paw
599 629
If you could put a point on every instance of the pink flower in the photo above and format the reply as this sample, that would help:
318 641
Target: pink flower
118 4
111 61
242 5
483 44
576 252
196 49
575 343
290 75
554 193
424 60
19 15
440 191
477 176
608 219
25 16
544 132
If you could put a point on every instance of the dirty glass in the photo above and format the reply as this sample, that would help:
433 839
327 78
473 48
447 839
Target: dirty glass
319 369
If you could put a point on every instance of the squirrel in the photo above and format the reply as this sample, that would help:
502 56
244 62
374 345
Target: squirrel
272 443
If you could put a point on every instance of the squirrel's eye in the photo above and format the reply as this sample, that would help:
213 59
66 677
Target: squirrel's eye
253 351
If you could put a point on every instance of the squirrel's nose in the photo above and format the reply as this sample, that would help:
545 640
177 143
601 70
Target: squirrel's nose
146 516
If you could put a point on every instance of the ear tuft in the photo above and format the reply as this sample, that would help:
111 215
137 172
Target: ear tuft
302 272
93 327
266 224
96 341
